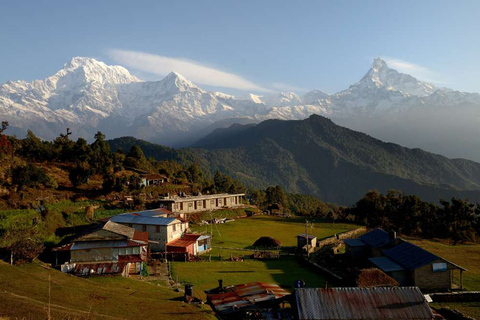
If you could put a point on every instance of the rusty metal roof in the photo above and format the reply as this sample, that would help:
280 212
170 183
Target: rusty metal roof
185 241
245 295
362 303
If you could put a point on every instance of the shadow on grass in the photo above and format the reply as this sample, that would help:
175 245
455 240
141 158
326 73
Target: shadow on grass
291 270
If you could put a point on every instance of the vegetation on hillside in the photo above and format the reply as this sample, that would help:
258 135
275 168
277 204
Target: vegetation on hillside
408 214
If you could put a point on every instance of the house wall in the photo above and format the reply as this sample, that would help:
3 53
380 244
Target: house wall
356 252
102 254
402 277
425 278
166 234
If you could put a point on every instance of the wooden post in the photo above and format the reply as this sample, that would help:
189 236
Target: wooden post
461 279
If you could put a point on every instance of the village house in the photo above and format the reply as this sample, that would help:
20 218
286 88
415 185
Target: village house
405 262
152 179
188 204
411 265
111 249
362 303
161 224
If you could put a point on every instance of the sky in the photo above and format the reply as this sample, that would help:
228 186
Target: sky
247 46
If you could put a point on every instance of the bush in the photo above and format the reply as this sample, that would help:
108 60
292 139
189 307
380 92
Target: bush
31 176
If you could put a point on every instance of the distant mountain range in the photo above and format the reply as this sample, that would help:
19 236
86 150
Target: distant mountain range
317 157
88 95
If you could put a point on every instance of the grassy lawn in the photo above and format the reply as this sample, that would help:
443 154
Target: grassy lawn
205 275
24 292
242 233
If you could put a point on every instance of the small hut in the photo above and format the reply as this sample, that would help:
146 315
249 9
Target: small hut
266 248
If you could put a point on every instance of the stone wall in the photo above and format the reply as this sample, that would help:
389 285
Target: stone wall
464 296
341 236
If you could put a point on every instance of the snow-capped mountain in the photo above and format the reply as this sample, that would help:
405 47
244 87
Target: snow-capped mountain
87 95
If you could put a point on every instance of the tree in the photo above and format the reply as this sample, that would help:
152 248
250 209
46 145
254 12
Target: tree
4 126
31 176
79 174
275 195
100 158
25 245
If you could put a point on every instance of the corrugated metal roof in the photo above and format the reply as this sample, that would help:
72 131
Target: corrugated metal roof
386 264
203 237
103 244
303 235
362 303
355 243
410 256
157 221
376 238
150 213
185 241
120 229
245 295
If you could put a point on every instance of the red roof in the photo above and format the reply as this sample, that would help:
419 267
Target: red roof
65 247
185 241
130 258
141 236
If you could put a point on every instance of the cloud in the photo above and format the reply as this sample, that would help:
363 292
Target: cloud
286 87
413 69
192 70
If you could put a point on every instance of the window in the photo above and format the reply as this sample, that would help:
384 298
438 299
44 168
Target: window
174 227
144 228
439 267
157 228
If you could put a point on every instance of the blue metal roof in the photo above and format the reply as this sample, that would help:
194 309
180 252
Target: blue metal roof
128 218
410 256
150 213
362 303
304 235
354 243
376 238
386 264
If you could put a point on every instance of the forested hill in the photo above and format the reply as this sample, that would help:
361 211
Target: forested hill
317 157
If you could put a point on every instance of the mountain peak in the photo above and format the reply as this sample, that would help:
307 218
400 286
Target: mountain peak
176 80
88 69
379 63
380 76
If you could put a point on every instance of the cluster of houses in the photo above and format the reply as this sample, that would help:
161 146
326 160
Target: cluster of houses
122 244
405 262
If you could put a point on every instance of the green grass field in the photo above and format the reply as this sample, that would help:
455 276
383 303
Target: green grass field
24 295
205 275
242 233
